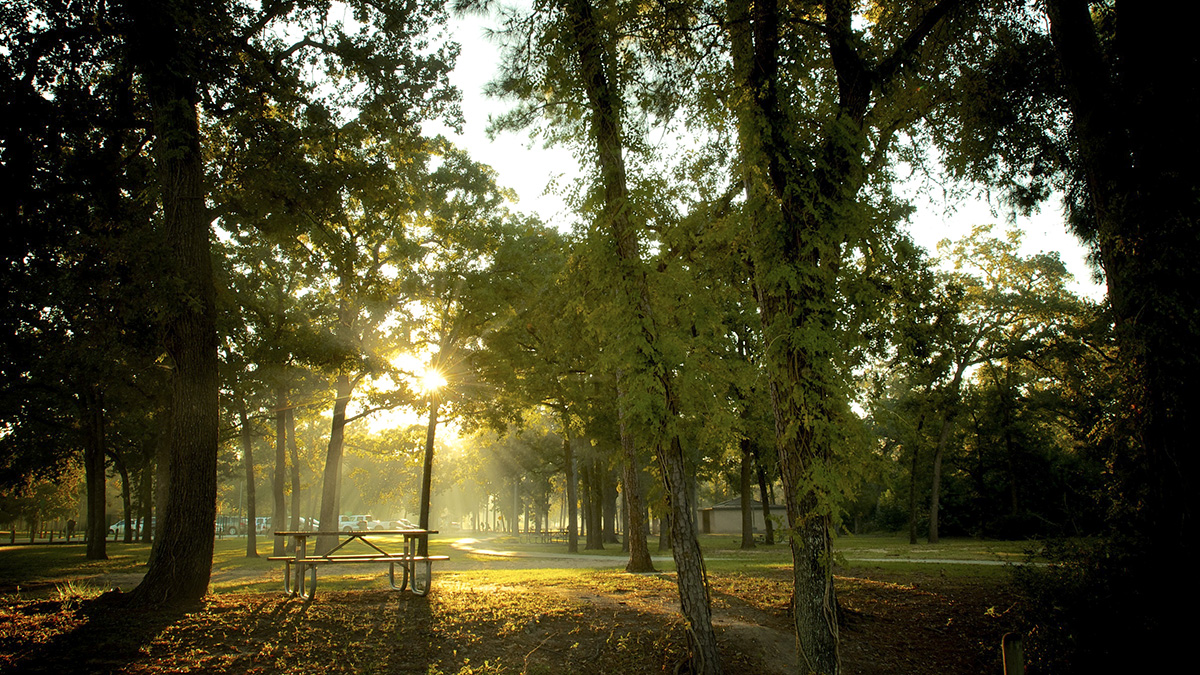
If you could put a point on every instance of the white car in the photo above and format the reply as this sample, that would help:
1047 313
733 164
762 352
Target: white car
360 522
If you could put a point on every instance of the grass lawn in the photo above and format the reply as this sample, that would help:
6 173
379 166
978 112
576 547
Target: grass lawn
547 615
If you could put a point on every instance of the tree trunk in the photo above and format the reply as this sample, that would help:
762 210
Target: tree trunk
912 493
126 496
746 487
768 524
935 483
635 510
516 505
593 504
331 485
793 270
146 498
294 451
162 470
427 473
1134 117
689 561
251 498
165 45
93 461
279 484
608 495
571 486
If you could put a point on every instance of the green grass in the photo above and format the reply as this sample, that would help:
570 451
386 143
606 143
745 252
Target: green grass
43 566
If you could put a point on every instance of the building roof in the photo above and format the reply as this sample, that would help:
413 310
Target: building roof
735 503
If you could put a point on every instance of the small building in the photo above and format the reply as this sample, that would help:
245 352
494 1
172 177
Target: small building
726 517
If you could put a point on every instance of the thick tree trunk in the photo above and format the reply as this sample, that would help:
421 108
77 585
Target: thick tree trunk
331 484
1135 123
162 470
251 498
93 462
279 482
635 510
181 560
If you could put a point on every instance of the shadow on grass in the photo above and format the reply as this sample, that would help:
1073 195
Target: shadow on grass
89 636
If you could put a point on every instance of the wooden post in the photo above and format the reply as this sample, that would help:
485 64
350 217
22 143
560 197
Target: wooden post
1013 653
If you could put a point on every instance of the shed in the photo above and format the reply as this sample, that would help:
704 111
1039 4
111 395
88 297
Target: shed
726 517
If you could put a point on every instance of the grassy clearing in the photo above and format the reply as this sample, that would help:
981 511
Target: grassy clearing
40 569
492 619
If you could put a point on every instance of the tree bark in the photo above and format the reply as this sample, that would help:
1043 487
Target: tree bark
1146 210
294 451
1134 118
608 496
746 486
251 498
146 497
427 474
935 483
912 494
331 484
765 495
162 469
126 496
635 510
93 462
165 41
279 483
571 487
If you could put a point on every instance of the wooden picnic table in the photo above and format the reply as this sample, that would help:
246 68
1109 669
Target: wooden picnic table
416 570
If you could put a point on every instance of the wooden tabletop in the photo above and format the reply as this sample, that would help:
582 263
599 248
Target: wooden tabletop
351 533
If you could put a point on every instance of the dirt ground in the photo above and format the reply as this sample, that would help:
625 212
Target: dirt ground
598 622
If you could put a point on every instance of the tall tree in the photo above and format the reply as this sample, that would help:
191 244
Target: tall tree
563 61
1090 121
815 225
185 53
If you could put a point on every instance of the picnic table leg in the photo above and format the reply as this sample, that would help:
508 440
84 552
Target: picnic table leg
403 577
289 589
311 591
422 574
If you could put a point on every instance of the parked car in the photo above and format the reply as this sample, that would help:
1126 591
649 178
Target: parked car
360 522
262 525
403 524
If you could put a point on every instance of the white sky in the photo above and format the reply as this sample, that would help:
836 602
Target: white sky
528 167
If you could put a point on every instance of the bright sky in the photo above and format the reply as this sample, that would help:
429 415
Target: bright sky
529 168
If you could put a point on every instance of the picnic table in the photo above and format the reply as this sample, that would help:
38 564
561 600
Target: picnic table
300 568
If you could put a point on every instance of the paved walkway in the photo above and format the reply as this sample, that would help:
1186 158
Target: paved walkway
527 559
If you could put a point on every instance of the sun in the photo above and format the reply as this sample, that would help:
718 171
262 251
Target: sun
432 380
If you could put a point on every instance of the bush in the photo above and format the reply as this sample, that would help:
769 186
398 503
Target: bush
1091 609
